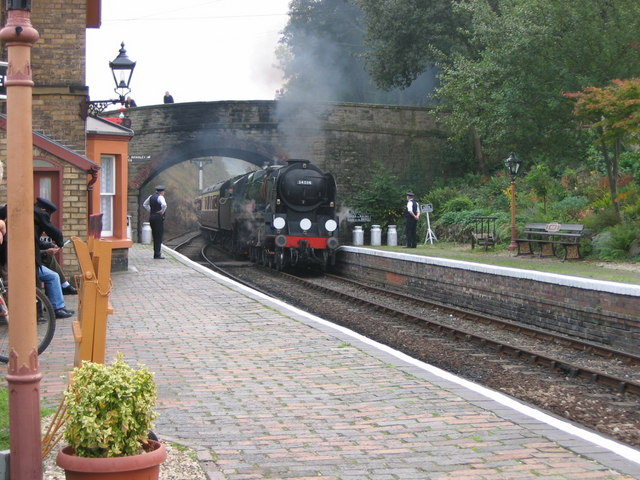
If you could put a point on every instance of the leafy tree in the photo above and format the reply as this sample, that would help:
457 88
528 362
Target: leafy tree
613 113
382 196
322 56
505 64
407 37
539 178
530 52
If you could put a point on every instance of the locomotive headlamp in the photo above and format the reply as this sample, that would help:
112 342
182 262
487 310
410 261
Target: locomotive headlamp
279 223
330 225
305 224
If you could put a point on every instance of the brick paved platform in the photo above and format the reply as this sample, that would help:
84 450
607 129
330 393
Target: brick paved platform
263 391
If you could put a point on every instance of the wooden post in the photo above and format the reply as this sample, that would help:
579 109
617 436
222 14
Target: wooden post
90 329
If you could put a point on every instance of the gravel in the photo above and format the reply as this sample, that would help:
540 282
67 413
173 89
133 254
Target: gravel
181 464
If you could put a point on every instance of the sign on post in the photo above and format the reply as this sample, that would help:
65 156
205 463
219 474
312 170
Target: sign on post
427 208
358 217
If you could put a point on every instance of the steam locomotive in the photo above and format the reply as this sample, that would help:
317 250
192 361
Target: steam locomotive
280 216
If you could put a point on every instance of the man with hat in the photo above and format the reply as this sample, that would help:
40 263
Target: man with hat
49 249
156 205
412 214
42 211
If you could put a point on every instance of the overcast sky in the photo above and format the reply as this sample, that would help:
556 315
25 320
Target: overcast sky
199 50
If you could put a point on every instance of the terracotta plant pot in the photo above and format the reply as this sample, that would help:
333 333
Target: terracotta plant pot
145 466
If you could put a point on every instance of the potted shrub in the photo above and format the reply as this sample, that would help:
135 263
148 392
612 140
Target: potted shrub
110 411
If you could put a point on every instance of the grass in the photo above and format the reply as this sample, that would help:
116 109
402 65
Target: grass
4 417
609 271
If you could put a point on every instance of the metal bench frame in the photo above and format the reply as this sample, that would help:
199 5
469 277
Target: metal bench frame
548 235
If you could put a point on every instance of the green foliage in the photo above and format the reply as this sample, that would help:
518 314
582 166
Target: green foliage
4 418
568 210
407 36
458 204
510 89
630 164
615 243
600 219
322 55
381 196
438 197
110 409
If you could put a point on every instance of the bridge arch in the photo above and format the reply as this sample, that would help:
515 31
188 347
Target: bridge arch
342 138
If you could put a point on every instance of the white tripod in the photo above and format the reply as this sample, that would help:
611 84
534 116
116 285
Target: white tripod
430 235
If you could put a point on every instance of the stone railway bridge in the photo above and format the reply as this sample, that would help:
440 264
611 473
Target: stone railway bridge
342 138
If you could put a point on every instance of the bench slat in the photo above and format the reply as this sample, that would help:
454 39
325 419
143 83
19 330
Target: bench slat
546 235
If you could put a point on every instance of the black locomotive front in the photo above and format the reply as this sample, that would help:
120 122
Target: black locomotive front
280 216
303 225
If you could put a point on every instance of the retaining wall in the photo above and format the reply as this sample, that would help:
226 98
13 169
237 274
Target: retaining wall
606 313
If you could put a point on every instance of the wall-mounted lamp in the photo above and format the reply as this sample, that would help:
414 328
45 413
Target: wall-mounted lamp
122 69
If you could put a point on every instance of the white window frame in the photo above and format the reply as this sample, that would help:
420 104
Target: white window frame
107 192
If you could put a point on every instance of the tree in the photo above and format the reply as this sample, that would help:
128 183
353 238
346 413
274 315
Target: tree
322 56
613 114
532 51
381 195
505 64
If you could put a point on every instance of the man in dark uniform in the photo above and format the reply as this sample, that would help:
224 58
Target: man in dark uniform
412 214
42 211
156 205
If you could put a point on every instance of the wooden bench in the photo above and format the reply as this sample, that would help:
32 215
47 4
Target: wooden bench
548 235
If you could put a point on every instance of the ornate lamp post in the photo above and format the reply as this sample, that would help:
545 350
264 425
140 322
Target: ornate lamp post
512 163
23 372
122 69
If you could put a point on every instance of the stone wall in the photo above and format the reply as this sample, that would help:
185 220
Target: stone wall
602 312
345 139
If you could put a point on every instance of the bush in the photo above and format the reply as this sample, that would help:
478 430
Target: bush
110 409
601 219
458 204
569 209
616 242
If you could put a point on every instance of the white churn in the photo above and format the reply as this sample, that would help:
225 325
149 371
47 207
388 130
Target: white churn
358 236
145 235
376 235
392 236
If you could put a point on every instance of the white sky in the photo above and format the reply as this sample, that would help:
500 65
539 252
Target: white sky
198 50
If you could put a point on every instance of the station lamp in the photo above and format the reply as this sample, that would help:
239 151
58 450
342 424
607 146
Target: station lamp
512 163
122 69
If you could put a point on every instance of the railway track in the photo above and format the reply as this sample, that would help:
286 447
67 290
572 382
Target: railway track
492 351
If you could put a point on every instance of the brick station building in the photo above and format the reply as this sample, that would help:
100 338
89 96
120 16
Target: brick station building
80 162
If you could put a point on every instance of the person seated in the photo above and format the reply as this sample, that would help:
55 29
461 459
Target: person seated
47 255
53 289
51 279
43 209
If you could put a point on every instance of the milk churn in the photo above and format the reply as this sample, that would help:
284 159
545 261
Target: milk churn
358 236
392 236
376 235
145 235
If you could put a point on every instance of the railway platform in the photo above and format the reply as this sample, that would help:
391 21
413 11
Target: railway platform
261 390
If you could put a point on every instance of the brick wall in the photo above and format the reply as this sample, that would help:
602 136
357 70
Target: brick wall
74 202
600 312
58 69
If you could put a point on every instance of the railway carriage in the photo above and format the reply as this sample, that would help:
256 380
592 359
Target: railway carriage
281 216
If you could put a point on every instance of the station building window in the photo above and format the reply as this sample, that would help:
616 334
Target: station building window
107 192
